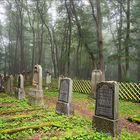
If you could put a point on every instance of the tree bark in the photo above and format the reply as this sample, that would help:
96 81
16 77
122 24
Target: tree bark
100 38
69 35
120 43
127 40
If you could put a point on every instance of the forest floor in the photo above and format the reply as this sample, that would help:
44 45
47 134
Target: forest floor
20 121
85 106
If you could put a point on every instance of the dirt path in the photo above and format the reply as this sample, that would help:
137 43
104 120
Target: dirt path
82 109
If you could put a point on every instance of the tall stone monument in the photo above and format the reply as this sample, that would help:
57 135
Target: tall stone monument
36 93
96 78
64 104
106 109
20 93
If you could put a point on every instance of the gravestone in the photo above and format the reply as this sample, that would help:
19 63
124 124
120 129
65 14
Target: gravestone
96 77
20 93
48 80
10 81
59 79
64 104
1 83
36 93
106 109
8 84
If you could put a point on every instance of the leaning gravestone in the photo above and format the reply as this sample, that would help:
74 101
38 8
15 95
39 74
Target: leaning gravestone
106 109
36 93
20 93
64 104
96 77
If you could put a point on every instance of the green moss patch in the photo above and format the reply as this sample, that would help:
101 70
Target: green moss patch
135 119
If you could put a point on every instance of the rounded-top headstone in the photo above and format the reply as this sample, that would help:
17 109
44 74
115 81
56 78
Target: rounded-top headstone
96 77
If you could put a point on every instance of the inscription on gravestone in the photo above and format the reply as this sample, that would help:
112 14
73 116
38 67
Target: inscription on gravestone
64 104
64 90
104 102
106 109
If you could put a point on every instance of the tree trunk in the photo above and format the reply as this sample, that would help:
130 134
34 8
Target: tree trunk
100 38
120 44
127 40
69 35
41 45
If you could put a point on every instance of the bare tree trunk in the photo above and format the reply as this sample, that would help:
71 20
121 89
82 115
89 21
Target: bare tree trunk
22 62
20 36
127 40
138 64
100 38
50 37
62 63
41 45
80 36
56 52
69 35
31 22
120 44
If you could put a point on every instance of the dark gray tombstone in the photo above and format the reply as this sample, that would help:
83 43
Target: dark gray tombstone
20 93
64 104
36 93
106 109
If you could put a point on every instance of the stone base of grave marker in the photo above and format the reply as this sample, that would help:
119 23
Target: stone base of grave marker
106 125
36 97
64 108
20 94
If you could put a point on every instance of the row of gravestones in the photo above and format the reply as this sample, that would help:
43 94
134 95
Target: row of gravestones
106 110
19 91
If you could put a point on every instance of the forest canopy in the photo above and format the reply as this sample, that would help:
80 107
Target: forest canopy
71 37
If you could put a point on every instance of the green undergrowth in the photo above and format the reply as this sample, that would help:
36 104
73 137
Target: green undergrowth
128 108
125 108
135 118
50 94
26 123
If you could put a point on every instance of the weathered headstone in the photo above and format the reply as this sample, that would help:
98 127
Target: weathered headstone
1 83
48 80
10 84
96 77
20 93
64 104
106 109
36 94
